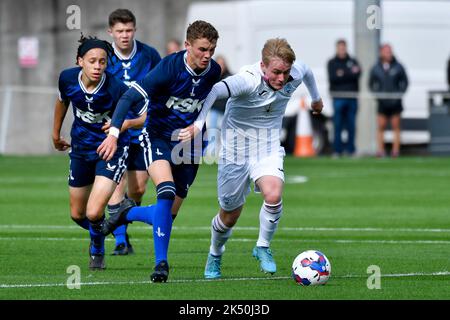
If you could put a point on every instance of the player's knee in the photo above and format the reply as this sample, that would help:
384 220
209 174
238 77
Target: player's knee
77 216
272 192
272 197
94 215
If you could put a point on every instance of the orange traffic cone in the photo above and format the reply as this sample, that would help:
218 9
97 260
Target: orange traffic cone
303 133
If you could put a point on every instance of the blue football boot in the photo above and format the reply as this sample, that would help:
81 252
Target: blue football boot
212 268
264 256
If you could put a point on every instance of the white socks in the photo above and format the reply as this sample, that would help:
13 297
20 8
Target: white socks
219 235
269 216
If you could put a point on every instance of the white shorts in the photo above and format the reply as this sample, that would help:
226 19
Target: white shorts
233 180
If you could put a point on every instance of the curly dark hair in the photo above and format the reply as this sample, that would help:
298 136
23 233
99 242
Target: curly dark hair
88 42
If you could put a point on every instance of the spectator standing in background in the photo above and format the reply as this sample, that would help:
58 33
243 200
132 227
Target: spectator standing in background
388 76
447 97
343 75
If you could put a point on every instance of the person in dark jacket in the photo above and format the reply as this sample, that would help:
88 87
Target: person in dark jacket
389 80
343 74
447 97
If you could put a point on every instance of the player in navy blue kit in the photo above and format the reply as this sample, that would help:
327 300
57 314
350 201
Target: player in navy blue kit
176 88
131 62
93 94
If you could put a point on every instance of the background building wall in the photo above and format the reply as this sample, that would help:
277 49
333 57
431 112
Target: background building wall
31 92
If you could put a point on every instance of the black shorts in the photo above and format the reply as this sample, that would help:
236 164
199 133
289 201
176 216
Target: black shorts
389 111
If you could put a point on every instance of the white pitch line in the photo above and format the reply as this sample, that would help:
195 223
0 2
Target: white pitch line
296 179
39 285
368 229
27 180
199 228
242 240
401 275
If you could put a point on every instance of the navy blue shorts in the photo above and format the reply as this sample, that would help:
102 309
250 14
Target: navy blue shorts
139 154
84 168
183 173
183 176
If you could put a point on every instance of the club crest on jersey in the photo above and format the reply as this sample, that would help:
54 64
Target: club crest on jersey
195 83
184 105
89 101
288 88
126 77
125 67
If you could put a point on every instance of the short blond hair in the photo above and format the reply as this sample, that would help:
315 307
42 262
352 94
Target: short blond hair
279 48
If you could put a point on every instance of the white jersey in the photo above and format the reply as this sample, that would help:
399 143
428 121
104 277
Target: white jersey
254 112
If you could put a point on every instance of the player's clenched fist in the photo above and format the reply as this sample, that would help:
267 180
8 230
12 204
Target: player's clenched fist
317 106
188 133
60 144
108 148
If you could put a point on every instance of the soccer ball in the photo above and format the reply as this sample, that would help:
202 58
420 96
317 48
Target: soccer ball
311 268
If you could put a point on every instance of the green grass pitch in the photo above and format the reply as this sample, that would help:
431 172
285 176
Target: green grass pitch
391 213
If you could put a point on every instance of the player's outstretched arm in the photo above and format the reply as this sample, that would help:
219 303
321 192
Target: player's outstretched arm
58 118
137 123
130 99
190 132
219 91
310 83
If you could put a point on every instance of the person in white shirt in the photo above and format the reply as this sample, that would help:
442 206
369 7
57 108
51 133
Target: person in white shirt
251 149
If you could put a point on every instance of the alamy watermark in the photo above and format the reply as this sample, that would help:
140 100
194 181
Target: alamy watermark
374 280
230 146
73 21
373 20
74 280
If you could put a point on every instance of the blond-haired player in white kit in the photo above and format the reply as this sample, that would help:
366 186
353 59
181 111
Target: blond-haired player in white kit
251 149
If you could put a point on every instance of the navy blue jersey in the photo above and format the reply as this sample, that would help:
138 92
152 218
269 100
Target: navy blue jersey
176 95
135 67
91 110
